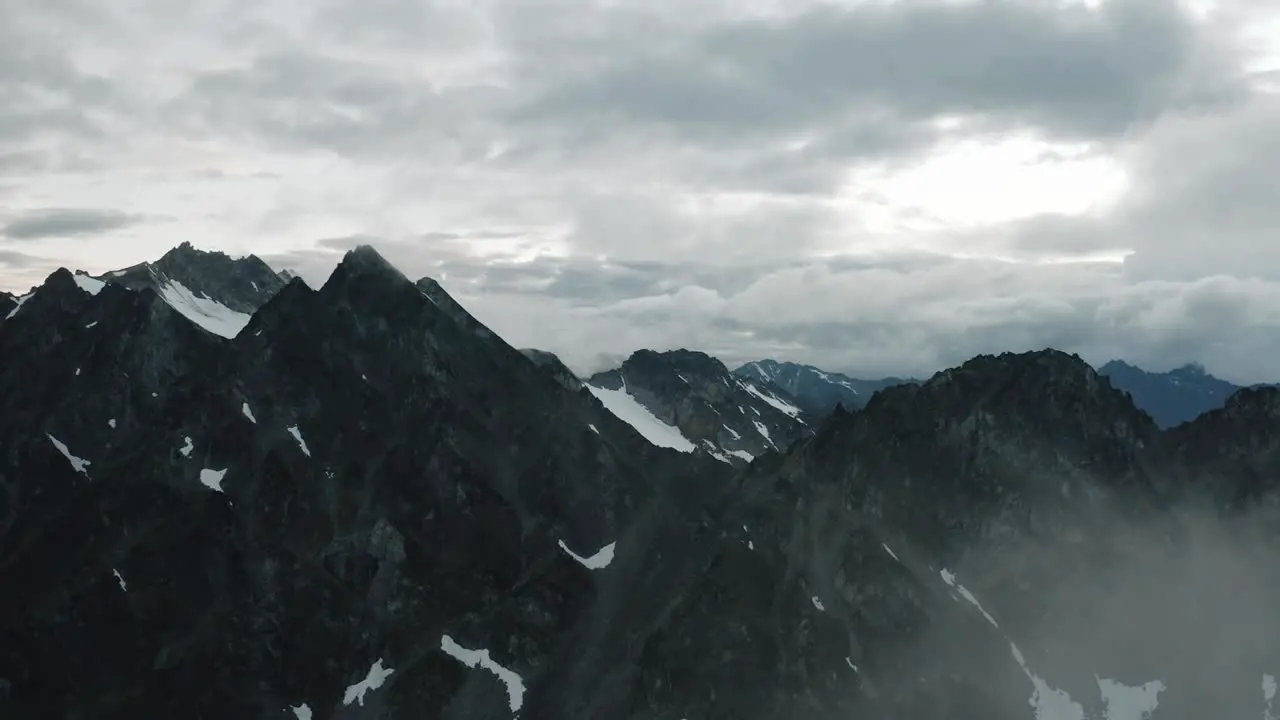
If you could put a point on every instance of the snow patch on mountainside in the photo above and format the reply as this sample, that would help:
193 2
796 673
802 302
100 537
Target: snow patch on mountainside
599 561
777 403
374 680
88 284
208 314
630 411
297 435
481 659
18 307
212 479
80 464
764 432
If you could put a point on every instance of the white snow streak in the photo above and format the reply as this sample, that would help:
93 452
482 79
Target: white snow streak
120 580
88 284
949 578
212 479
21 301
186 449
630 411
112 423
80 464
90 325
778 403
297 435
765 432
208 314
593 428
480 658
377 675
818 604
248 413
599 561
891 553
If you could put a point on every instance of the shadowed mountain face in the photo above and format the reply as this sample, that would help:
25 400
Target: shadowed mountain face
367 505
816 391
240 284
710 409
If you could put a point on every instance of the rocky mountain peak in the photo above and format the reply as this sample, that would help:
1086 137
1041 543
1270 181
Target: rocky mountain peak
733 419
215 290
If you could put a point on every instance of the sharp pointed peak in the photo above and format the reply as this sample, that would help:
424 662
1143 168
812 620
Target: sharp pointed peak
363 263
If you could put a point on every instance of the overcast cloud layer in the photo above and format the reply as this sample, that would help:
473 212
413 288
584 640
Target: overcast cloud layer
875 187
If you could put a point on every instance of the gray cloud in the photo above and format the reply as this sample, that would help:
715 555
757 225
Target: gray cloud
1067 70
597 176
64 222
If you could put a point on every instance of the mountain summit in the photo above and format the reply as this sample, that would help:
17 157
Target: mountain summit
710 409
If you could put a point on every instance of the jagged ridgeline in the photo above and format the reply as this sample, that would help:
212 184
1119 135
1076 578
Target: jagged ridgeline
226 494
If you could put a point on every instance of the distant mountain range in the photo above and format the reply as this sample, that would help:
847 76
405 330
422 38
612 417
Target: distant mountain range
1172 397
226 494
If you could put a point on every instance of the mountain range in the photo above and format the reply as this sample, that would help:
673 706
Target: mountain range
226 494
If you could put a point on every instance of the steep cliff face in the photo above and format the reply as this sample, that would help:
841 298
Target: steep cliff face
734 419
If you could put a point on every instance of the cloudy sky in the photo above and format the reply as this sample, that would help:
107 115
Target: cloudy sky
872 186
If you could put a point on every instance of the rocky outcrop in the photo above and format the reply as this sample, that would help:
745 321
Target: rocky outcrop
734 419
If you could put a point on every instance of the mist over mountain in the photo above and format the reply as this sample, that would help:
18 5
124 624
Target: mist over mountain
363 503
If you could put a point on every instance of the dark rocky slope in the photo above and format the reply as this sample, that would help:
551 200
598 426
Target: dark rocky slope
256 523
1011 529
